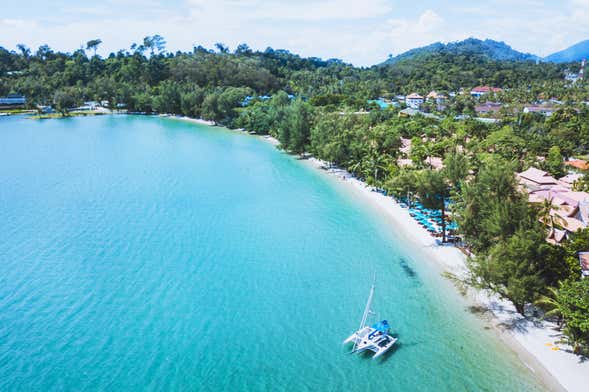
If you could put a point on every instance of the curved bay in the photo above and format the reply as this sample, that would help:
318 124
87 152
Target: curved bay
143 253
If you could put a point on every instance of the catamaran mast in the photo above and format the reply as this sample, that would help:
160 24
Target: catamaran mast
367 308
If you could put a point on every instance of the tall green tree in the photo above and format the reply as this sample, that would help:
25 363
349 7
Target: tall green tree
93 45
490 208
296 130
64 99
154 43
554 163
573 300
456 167
403 184
513 268
434 191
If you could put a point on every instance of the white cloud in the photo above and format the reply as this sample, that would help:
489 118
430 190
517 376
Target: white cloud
321 10
405 34
361 32
17 24
330 9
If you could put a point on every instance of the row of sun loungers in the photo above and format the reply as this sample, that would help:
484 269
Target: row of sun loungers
431 220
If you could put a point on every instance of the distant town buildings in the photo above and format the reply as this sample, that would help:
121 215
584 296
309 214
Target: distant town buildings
410 112
479 91
571 77
414 101
488 107
436 97
247 100
575 77
546 109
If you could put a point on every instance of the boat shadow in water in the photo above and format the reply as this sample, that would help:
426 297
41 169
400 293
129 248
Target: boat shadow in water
410 272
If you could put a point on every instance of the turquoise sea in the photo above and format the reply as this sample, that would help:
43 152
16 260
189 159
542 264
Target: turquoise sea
151 254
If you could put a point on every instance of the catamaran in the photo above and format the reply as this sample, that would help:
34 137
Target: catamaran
375 338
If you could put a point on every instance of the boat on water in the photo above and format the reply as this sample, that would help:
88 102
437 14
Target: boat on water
376 338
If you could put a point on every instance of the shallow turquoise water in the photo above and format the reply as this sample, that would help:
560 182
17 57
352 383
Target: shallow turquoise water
149 254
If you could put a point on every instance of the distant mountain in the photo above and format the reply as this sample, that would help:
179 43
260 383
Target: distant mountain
576 52
494 50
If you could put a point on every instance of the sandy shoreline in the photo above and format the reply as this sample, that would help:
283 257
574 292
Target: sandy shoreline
534 342
189 119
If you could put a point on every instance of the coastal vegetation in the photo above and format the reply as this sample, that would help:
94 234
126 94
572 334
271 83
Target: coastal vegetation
323 107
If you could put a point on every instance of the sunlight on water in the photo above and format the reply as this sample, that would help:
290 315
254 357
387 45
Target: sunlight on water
150 254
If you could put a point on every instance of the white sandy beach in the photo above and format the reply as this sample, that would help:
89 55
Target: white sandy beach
189 119
535 342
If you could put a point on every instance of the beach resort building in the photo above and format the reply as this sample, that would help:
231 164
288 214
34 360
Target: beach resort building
405 146
570 179
545 109
570 209
45 109
414 101
578 164
13 100
88 105
479 91
404 162
435 163
436 97
535 179
572 77
488 108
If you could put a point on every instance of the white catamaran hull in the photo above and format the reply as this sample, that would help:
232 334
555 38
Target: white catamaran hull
376 340
369 338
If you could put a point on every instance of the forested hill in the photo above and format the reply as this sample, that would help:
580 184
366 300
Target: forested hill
449 71
129 72
576 52
146 78
490 49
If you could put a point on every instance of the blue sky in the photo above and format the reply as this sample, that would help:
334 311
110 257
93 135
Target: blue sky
362 32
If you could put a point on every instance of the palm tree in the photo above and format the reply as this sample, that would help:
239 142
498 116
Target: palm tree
375 163
93 44
404 184
355 166
24 50
549 218
551 305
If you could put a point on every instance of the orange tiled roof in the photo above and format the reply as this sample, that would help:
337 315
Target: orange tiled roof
578 163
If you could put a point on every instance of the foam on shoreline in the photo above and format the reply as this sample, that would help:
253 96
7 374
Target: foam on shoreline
190 119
